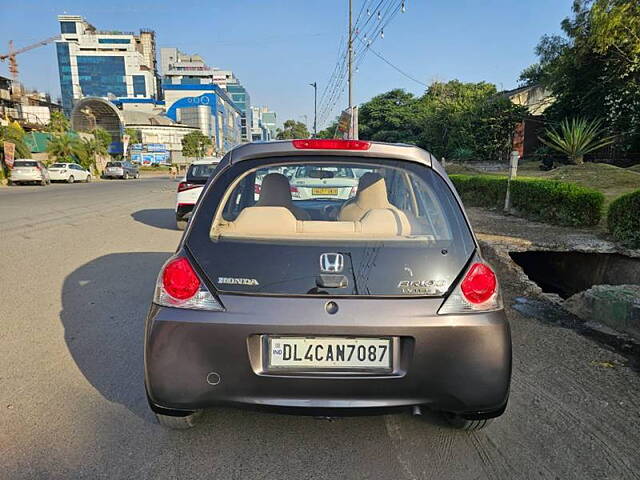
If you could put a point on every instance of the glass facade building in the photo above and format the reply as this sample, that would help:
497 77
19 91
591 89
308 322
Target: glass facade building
102 76
64 69
104 64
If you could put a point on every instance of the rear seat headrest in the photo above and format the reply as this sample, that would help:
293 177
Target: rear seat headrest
275 191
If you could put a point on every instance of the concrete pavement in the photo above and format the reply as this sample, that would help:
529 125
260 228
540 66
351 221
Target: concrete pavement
77 271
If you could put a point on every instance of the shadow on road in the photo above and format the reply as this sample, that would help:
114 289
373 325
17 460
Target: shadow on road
156 217
104 306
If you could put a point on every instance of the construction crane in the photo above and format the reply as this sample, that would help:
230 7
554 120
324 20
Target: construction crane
11 55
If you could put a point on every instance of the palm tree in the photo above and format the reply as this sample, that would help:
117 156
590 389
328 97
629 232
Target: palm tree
92 148
65 148
576 138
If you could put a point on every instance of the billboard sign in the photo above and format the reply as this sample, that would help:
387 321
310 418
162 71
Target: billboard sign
136 157
156 147
9 153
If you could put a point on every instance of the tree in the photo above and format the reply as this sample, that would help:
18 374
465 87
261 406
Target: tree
92 147
58 124
195 144
292 129
65 148
14 133
102 137
389 117
134 135
576 138
593 71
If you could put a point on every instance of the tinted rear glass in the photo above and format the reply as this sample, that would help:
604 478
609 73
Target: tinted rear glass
58 165
200 173
343 227
23 163
114 164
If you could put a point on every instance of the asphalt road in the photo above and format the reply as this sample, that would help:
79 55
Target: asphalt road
77 269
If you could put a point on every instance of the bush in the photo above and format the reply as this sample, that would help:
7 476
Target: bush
480 190
557 202
623 219
545 200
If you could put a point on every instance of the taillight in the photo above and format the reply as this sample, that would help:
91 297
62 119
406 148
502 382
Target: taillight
330 144
182 186
179 286
478 291
179 280
353 192
256 189
479 283
293 189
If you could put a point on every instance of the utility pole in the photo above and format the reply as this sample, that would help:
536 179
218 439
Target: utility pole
350 61
315 108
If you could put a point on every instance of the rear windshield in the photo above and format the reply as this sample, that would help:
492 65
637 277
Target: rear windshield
23 163
58 165
339 227
201 172
114 164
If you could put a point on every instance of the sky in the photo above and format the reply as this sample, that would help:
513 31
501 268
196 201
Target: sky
278 47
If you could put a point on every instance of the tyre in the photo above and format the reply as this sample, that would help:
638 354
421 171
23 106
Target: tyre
43 182
137 175
179 423
181 224
70 179
461 423
88 179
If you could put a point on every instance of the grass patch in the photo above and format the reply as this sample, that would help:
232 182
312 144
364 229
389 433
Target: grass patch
635 168
155 168
459 168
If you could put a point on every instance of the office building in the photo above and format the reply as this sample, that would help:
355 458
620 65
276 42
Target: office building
262 124
180 68
106 64
207 107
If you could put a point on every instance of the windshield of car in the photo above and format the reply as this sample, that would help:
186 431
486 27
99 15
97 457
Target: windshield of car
392 222
25 163
114 164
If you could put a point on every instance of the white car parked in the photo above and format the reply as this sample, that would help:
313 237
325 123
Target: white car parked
319 182
29 171
190 188
69 172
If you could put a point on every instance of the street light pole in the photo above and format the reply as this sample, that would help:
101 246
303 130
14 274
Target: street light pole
315 108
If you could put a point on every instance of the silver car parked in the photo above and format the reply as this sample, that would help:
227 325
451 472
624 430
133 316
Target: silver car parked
29 171
121 169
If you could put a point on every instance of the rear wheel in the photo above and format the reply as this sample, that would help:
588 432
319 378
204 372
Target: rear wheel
137 175
70 179
461 423
179 423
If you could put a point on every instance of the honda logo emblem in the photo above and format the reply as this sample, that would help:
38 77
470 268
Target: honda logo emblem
331 262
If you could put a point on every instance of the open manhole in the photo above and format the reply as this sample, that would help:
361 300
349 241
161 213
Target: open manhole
567 273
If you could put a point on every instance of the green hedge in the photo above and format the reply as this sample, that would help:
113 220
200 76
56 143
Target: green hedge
623 219
545 200
480 190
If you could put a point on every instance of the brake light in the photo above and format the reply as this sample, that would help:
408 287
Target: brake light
330 144
179 286
479 283
478 291
293 189
179 280
182 186
353 192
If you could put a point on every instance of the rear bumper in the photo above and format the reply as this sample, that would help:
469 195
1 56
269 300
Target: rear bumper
196 360
114 174
32 177
183 209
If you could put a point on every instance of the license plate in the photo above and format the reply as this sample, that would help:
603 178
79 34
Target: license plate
329 353
324 191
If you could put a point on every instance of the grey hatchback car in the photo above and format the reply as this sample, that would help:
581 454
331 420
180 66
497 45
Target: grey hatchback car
369 295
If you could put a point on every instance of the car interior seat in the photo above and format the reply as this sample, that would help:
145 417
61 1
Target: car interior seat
275 191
